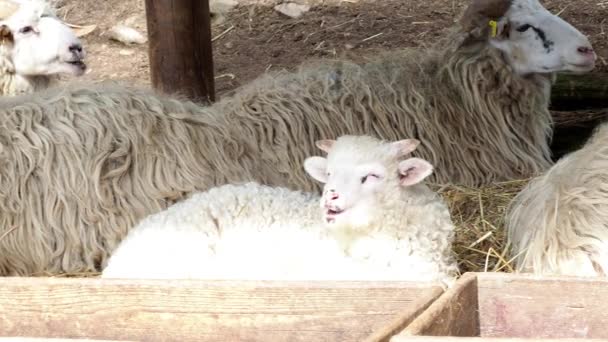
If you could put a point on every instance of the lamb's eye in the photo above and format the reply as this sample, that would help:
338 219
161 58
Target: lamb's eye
371 175
524 28
26 29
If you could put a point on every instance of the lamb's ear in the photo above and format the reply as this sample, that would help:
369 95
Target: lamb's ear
316 167
403 147
325 145
476 18
6 36
414 171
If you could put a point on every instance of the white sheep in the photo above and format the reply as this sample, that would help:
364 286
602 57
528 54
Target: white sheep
558 224
35 48
376 221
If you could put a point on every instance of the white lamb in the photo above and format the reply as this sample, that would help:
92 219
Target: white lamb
35 48
377 221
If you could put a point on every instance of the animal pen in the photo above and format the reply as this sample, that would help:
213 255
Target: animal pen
481 306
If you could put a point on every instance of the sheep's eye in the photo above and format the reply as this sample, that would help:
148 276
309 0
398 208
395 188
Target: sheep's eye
524 28
364 179
26 29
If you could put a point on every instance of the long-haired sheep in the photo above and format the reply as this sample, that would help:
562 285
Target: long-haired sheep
478 103
376 221
80 165
558 224
35 48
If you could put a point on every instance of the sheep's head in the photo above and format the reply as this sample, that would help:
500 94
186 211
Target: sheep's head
532 39
362 175
41 43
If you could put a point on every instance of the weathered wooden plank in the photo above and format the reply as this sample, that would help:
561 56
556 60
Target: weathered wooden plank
532 307
404 318
483 339
180 49
580 118
580 91
202 310
516 306
452 314
43 339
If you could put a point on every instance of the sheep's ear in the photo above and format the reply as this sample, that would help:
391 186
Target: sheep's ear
404 147
414 171
316 167
476 18
6 36
325 145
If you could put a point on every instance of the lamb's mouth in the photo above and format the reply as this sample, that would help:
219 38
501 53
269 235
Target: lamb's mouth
581 67
78 67
330 214
78 63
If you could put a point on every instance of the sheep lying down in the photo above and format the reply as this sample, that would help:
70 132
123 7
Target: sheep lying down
558 224
375 220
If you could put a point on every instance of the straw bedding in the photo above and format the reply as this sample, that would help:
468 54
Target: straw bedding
478 214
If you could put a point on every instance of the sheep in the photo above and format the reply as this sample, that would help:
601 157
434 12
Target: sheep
82 163
479 104
558 224
36 48
375 221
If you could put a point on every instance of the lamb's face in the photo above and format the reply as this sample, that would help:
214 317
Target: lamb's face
42 44
534 40
354 193
363 177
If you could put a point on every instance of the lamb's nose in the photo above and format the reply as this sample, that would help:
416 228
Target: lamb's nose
75 48
333 196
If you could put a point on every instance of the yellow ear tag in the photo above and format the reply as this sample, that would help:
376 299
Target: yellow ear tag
494 25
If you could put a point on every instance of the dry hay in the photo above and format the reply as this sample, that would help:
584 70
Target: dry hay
478 214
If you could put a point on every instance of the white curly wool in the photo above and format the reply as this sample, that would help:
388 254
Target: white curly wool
384 230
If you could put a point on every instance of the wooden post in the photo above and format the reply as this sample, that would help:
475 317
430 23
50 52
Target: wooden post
181 58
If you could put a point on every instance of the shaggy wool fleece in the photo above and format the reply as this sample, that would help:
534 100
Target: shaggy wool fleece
478 121
558 224
81 165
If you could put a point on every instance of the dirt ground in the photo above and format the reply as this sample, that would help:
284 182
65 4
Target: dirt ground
255 38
